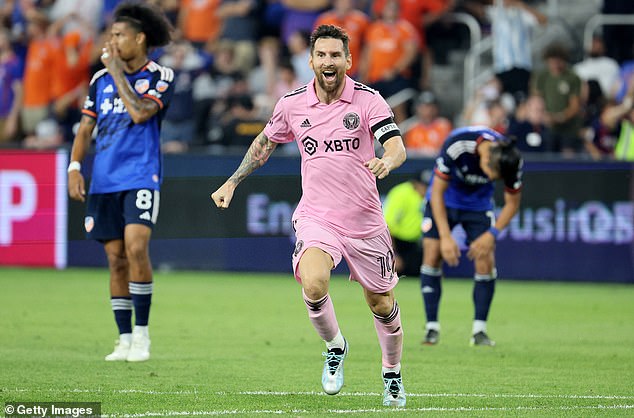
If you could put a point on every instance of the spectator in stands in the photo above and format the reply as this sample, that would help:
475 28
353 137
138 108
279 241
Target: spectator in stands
391 46
353 21
199 22
241 124
528 125
178 130
300 16
597 66
561 89
241 26
85 19
489 107
430 130
512 22
285 80
619 118
403 210
598 141
299 48
421 14
10 89
218 84
38 77
71 71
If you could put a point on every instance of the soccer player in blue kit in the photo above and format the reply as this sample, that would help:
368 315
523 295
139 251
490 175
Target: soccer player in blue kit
461 192
126 101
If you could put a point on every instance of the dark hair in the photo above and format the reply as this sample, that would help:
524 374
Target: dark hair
557 50
330 31
507 161
147 19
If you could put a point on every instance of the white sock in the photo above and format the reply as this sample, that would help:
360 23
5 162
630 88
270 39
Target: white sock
143 330
396 369
479 326
435 325
125 338
337 342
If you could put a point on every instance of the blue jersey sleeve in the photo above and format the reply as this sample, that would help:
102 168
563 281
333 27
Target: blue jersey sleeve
161 87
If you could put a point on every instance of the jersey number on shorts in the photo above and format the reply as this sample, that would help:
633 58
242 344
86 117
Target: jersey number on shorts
387 264
144 202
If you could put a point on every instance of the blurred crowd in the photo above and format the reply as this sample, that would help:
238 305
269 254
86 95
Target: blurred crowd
233 59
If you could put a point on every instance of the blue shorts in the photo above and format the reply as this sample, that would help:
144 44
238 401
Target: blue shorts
107 214
474 223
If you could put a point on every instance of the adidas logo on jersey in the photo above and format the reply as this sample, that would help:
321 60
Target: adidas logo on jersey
305 124
146 216
108 89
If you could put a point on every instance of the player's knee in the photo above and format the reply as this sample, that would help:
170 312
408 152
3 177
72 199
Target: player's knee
381 306
118 264
136 250
315 289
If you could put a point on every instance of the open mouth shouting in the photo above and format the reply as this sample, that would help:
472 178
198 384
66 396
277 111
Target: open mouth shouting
330 76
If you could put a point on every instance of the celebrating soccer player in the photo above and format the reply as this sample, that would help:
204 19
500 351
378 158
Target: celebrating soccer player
461 192
126 101
334 121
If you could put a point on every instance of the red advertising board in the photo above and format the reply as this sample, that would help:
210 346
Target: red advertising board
33 208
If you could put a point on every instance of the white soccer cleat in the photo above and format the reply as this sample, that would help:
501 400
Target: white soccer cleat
140 347
332 376
393 393
121 348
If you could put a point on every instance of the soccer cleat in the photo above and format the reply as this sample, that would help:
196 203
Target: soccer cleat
121 350
481 338
394 393
332 376
140 347
431 337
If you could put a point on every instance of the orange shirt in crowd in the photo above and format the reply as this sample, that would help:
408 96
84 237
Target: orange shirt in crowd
200 22
67 75
37 73
385 43
427 139
413 11
355 23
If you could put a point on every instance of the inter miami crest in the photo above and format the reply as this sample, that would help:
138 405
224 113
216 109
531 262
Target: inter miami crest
351 121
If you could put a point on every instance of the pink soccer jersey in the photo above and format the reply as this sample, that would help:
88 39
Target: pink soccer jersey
335 140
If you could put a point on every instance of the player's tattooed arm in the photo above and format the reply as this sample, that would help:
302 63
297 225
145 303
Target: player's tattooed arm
140 109
258 153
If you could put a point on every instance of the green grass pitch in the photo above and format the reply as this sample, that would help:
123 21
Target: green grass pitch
240 344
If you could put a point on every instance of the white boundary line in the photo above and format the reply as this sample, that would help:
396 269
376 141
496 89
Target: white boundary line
362 411
315 393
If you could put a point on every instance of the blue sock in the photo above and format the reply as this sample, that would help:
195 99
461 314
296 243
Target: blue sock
122 308
141 293
431 289
483 290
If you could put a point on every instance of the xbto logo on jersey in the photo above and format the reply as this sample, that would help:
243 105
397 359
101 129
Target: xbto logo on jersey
334 145
310 145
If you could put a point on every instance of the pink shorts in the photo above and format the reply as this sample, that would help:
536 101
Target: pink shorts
370 260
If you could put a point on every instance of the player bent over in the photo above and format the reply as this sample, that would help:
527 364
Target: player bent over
334 121
461 192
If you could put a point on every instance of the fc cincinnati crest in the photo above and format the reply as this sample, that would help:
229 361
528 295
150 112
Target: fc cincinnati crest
351 121
89 223
141 86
